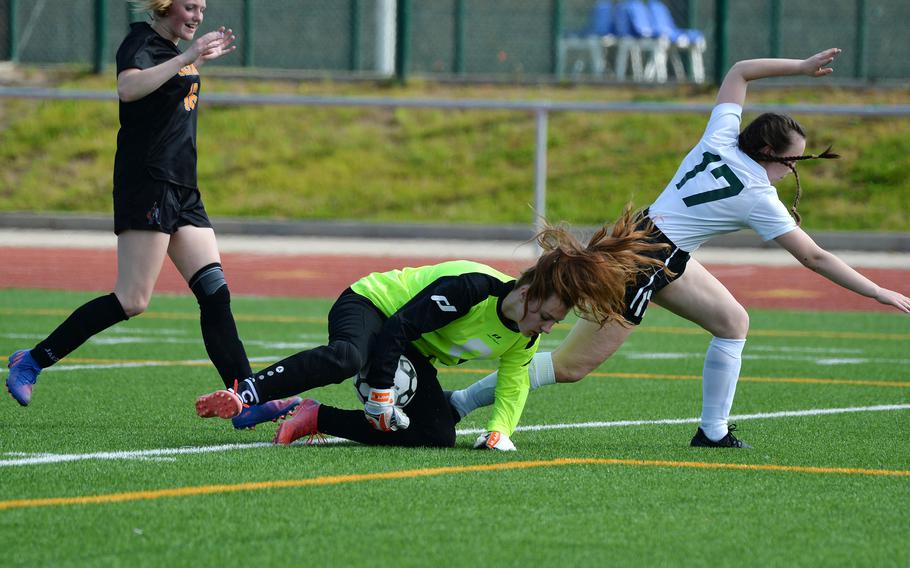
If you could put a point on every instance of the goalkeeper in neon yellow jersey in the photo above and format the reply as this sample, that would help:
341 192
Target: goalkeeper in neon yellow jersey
444 314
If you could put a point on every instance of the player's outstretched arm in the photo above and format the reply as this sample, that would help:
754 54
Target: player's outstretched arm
812 256
733 88
134 84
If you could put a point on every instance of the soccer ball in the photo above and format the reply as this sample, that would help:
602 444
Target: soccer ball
405 383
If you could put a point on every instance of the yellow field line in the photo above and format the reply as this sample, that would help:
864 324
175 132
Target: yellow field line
642 329
169 315
425 472
668 377
782 333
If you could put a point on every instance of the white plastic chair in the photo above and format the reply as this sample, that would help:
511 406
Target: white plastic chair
640 44
681 40
594 40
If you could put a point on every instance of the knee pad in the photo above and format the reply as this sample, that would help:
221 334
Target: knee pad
209 285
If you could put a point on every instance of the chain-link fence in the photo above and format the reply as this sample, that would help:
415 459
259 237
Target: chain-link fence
873 34
506 39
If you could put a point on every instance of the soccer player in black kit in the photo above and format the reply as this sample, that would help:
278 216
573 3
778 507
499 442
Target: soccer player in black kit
158 210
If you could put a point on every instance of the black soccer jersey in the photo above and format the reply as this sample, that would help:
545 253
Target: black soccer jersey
157 135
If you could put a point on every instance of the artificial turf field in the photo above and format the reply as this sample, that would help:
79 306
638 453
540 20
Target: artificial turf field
110 466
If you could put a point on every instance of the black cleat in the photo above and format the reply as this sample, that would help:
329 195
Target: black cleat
729 441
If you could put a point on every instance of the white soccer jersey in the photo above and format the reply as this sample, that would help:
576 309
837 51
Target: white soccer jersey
718 189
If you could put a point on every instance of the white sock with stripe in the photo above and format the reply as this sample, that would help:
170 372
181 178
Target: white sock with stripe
722 364
483 392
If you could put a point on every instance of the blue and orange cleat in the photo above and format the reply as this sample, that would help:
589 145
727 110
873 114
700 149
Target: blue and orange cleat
273 410
23 373
303 423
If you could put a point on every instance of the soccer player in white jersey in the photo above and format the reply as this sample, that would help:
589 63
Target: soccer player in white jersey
724 184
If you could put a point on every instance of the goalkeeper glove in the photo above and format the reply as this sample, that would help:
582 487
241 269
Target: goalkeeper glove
381 412
494 441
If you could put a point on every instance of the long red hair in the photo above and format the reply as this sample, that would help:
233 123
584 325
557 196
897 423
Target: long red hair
592 278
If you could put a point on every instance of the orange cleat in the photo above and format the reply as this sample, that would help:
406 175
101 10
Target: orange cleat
221 403
303 423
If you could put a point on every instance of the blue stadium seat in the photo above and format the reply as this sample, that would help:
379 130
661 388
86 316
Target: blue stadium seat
639 19
595 40
639 43
662 22
601 19
681 40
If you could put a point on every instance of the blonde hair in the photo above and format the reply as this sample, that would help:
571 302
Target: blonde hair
157 8
593 278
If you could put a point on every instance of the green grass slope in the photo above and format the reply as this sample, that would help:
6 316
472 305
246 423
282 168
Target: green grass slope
434 165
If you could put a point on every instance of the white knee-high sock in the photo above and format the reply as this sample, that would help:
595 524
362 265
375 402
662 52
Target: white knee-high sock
483 392
722 364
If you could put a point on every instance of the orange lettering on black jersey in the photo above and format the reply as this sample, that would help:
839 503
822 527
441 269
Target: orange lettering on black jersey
188 70
189 101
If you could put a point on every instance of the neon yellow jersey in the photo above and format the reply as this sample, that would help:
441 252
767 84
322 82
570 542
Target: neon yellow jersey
452 312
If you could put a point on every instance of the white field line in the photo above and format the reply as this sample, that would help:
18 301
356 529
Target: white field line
45 458
737 417
62 368
163 453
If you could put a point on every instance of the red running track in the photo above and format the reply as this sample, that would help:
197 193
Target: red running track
325 276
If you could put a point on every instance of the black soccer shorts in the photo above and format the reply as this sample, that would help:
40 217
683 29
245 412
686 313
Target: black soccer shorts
653 279
155 205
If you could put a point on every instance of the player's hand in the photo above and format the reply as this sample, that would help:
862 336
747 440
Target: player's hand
815 66
494 441
211 46
381 412
892 298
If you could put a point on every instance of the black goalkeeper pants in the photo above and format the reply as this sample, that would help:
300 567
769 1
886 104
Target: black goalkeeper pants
432 423
354 325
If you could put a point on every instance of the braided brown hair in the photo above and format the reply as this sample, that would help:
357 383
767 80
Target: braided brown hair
776 131
592 278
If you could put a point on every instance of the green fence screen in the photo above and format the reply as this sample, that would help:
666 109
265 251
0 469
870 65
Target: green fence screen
498 39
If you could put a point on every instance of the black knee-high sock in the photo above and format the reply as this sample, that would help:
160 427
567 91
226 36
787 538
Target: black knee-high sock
352 425
324 365
219 331
88 319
